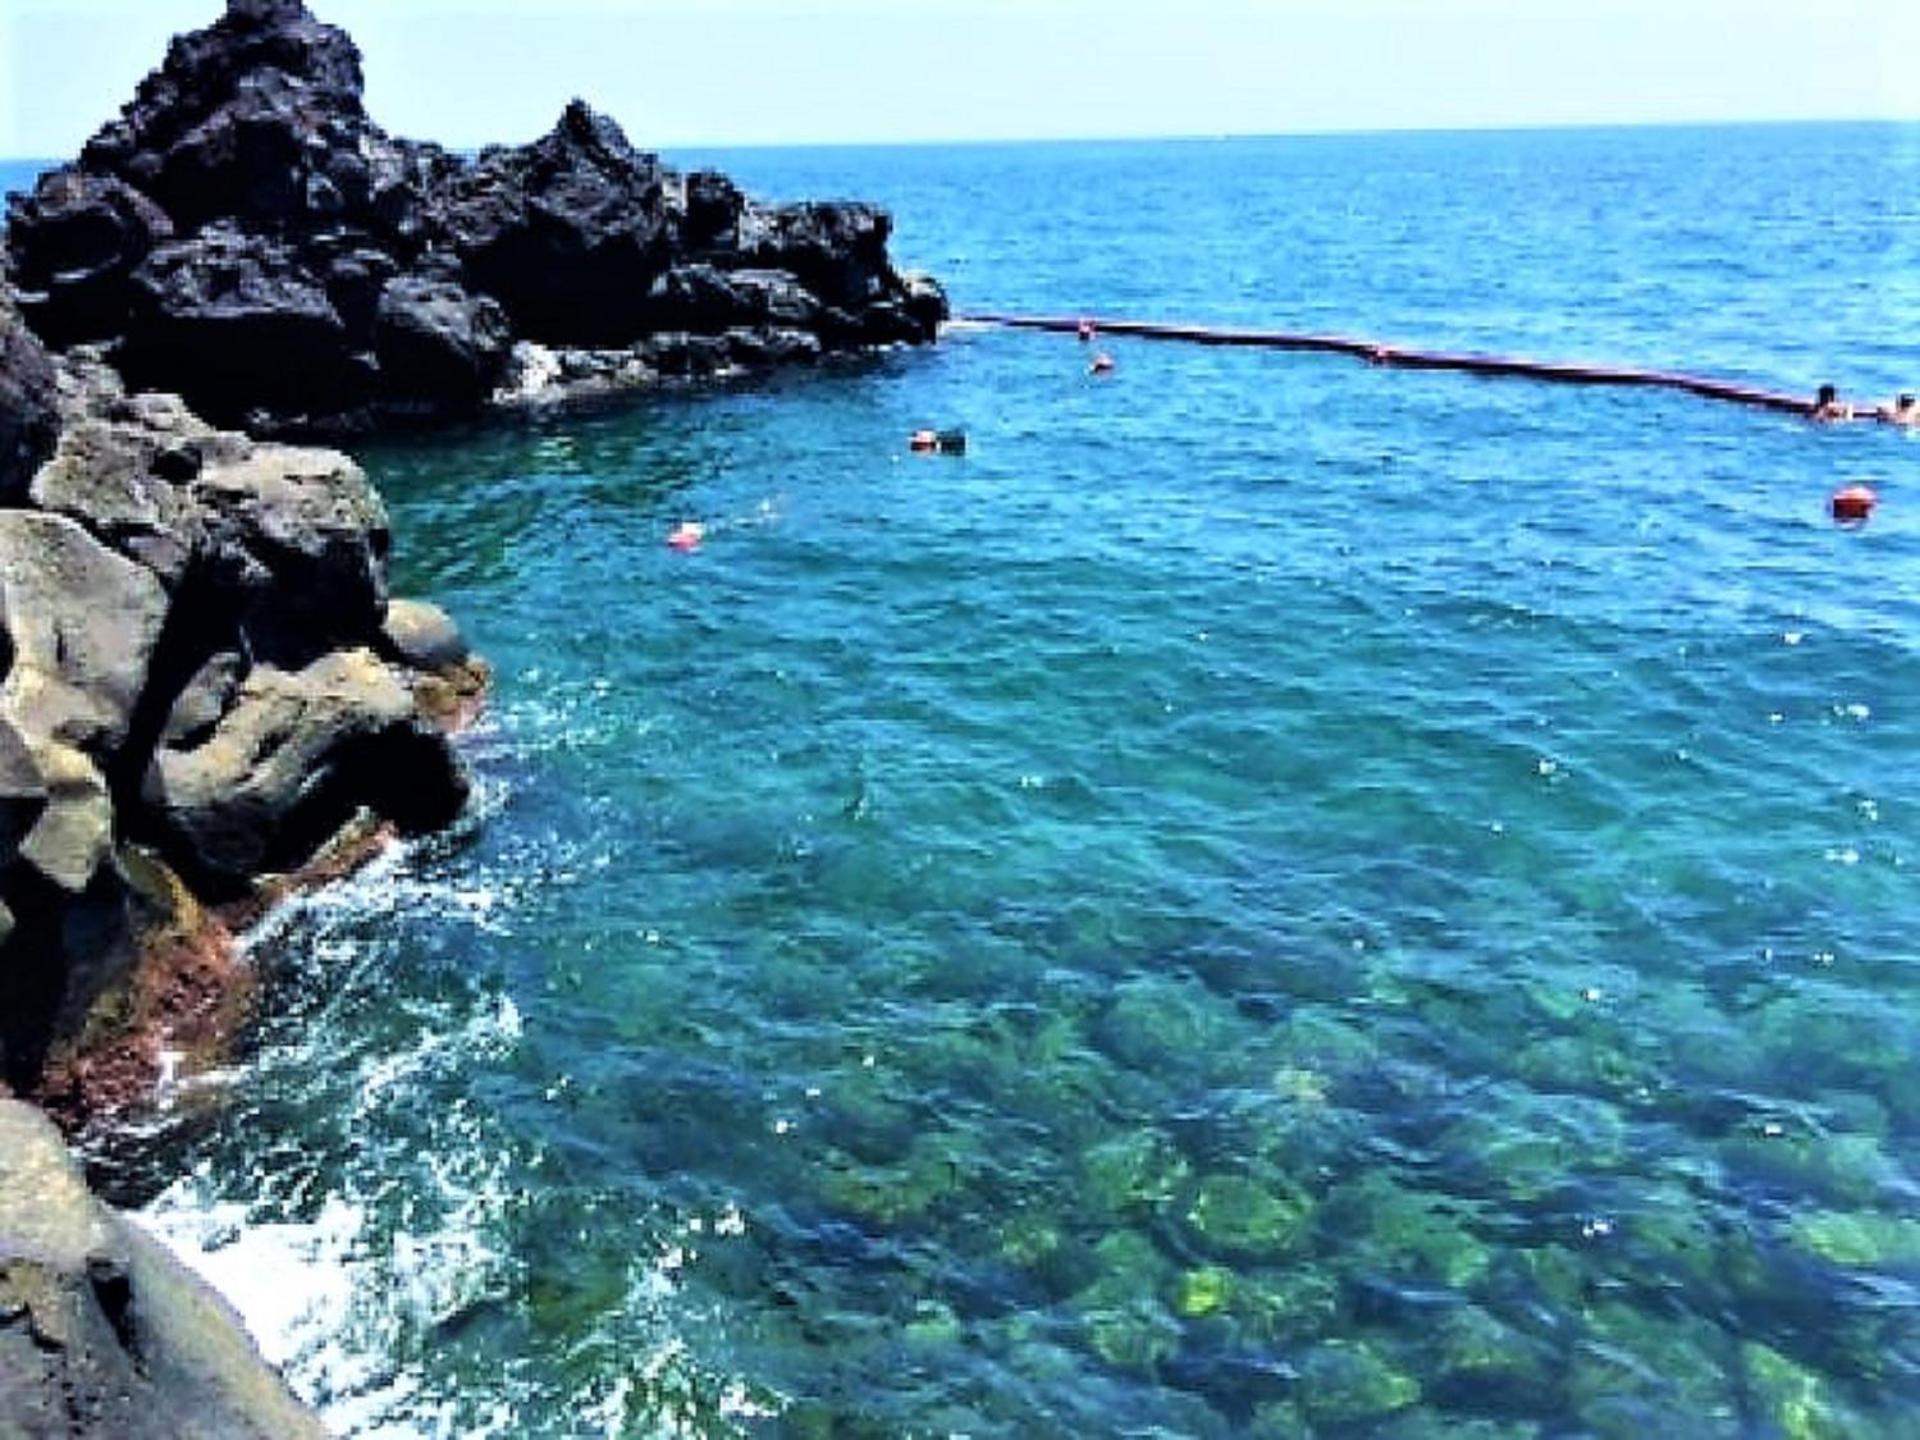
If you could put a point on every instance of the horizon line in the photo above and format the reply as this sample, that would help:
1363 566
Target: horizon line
1192 137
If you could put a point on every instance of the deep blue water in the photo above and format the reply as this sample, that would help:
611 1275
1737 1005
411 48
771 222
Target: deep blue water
1272 898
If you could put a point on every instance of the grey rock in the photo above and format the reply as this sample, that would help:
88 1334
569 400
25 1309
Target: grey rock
422 635
73 837
23 792
301 539
297 756
207 696
110 477
103 1334
83 623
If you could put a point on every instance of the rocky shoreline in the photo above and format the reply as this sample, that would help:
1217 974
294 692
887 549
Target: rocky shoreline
246 236
207 694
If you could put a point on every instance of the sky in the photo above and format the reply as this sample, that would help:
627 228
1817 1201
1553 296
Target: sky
685 73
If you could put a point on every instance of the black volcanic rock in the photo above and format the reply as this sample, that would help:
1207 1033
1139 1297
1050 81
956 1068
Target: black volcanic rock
246 235
244 328
710 211
222 81
29 419
79 239
436 342
567 233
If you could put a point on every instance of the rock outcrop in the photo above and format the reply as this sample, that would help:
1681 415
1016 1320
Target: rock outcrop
102 1332
246 235
200 681
29 419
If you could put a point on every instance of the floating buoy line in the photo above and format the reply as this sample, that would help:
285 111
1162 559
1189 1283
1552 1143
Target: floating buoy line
1850 505
1400 357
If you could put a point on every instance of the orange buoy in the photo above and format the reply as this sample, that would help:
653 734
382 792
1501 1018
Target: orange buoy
1102 364
687 535
923 441
1852 504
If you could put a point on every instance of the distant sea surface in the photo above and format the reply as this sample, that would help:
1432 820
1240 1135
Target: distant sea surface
1271 898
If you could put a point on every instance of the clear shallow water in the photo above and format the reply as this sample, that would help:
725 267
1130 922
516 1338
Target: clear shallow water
1272 898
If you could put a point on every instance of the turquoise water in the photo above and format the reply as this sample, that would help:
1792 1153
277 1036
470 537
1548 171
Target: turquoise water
1271 898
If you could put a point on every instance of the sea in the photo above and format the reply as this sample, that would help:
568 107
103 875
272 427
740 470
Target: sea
1271 897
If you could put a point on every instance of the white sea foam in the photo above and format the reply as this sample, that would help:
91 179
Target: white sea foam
293 1284
327 1291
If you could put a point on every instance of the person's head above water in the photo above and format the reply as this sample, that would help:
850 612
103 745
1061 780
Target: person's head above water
1826 395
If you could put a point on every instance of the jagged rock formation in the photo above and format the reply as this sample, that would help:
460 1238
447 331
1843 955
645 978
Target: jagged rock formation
244 234
101 1331
29 419
198 674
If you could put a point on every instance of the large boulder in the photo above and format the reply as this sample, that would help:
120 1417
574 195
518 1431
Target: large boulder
120 477
298 541
103 1334
710 209
567 233
422 636
23 792
439 346
838 250
239 325
75 242
72 839
29 413
296 756
82 623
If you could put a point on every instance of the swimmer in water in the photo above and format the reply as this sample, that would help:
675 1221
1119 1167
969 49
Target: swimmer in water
1829 408
1904 412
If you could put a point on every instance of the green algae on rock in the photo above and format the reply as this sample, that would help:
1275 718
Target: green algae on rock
1344 1382
1235 1216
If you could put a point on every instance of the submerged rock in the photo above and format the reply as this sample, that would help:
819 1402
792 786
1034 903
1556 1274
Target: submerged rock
1234 1216
102 1332
244 233
1345 1382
